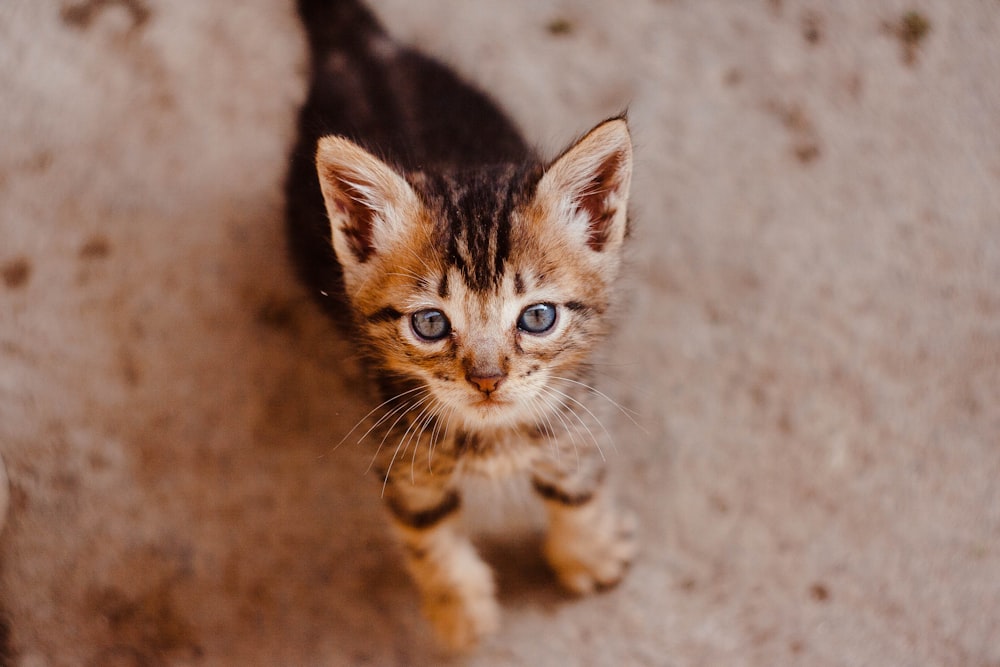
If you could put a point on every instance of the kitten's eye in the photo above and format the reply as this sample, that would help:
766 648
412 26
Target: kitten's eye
538 318
430 324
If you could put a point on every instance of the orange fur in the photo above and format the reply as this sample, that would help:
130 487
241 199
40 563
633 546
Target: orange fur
489 397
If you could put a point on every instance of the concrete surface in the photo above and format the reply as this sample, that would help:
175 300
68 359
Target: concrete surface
813 344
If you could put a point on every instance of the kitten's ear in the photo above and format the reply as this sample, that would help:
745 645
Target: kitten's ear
588 185
367 201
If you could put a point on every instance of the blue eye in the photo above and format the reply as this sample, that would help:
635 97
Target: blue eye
537 319
430 324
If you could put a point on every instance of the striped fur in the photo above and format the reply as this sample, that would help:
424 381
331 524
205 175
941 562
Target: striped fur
409 191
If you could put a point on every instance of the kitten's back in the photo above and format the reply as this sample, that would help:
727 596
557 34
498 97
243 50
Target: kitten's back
394 101
408 109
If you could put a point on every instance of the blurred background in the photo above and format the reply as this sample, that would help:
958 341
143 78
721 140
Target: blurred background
811 343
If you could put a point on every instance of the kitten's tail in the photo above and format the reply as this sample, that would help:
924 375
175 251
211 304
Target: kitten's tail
337 24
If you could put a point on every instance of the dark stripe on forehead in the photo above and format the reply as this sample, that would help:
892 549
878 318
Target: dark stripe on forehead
503 224
482 208
475 210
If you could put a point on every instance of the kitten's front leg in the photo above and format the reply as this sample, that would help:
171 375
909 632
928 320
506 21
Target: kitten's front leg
590 541
456 586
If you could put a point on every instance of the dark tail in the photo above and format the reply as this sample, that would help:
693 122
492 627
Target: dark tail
337 24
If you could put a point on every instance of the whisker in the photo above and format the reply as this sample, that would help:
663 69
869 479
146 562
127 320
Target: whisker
402 413
389 414
442 436
402 438
625 411
423 261
415 439
584 423
370 413
595 390
543 421
556 409
436 433
587 410
398 409
404 274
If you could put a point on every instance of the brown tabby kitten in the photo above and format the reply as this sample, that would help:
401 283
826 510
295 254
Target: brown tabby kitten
477 279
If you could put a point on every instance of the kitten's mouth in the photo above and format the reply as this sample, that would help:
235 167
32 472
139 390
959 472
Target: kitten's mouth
489 403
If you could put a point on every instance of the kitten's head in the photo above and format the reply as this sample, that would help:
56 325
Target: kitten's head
486 288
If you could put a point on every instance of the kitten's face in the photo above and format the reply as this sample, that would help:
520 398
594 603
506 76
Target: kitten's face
490 356
486 290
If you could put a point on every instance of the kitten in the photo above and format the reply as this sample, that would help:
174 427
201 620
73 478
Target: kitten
476 278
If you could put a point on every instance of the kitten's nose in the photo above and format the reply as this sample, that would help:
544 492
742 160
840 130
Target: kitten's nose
486 383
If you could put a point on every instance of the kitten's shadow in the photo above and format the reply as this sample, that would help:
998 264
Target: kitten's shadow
321 542
349 587
524 579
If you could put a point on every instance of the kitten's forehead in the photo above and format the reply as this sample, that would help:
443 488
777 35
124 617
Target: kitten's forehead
479 308
474 214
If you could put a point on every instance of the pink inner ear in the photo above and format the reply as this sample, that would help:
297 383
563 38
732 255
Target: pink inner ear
595 201
358 228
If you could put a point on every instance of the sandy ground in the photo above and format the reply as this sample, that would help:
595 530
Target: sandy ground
812 344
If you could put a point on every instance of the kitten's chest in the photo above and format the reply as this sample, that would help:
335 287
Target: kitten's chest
493 453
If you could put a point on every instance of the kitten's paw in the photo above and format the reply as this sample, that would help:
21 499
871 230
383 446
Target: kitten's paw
466 612
595 557
460 623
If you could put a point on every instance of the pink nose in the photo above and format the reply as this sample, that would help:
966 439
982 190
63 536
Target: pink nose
486 384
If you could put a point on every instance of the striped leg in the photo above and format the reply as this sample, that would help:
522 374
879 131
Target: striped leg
455 585
590 543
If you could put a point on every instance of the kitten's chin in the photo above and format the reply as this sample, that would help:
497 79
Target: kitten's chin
492 412
491 406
